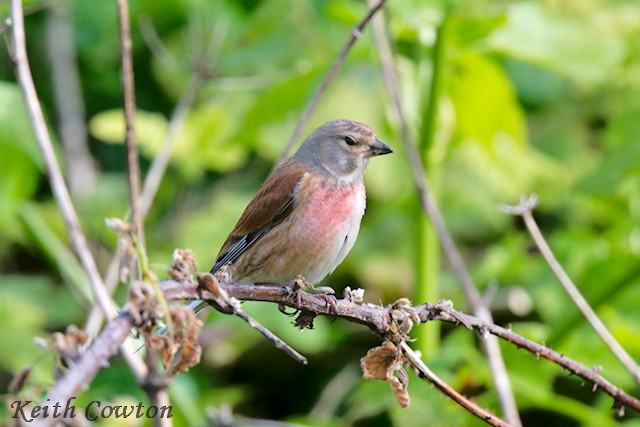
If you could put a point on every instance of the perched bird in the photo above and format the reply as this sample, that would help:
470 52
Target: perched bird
305 218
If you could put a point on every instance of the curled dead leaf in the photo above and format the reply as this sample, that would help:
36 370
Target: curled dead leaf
400 391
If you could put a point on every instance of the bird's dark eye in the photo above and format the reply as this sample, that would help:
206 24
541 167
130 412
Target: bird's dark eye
349 140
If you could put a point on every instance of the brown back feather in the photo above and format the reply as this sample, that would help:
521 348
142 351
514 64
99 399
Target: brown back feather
266 207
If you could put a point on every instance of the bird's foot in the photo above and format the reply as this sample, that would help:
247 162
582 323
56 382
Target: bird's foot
301 286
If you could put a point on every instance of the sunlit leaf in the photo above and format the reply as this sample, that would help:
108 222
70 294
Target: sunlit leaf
484 101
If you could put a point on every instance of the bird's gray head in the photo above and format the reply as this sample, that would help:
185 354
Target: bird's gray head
341 149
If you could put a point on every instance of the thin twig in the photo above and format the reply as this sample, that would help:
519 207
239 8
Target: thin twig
156 394
129 100
56 180
491 345
228 305
427 374
356 32
445 312
156 172
155 385
525 210
377 319
152 40
277 341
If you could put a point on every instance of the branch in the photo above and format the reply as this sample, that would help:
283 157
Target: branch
429 205
446 313
525 210
378 320
356 32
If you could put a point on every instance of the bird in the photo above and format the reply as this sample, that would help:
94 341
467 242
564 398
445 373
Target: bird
305 218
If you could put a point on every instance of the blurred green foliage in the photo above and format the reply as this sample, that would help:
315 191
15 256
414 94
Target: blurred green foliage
536 96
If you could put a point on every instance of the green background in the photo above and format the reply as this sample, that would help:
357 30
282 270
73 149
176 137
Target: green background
532 96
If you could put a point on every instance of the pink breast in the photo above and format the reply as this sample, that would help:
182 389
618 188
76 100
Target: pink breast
328 211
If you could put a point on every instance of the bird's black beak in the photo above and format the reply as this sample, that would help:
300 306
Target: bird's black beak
379 148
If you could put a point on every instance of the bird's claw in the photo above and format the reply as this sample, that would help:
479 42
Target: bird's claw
331 302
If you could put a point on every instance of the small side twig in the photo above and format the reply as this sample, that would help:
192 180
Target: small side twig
525 210
356 32
230 305
277 341
429 205
427 374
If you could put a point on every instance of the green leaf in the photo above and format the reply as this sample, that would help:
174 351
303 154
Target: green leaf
563 43
614 168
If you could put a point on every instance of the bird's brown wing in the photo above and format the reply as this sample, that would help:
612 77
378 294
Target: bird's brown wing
273 202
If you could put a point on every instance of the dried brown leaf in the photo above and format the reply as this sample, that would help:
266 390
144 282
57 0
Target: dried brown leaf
143 306
181 350
187 356
380 362
305 319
